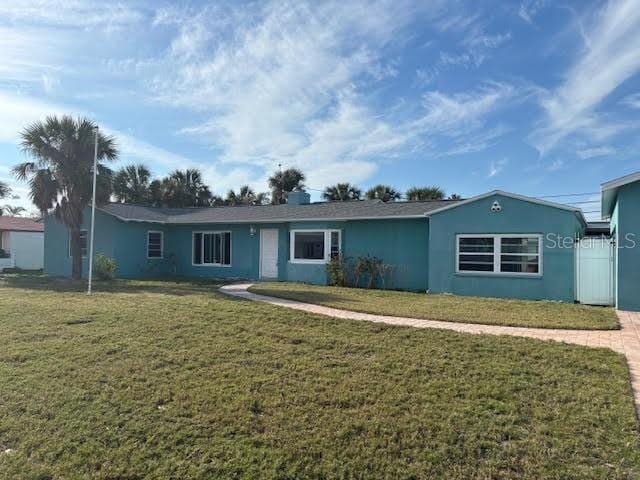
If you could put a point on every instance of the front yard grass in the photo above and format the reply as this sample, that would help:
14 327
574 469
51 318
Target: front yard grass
449 308
174 380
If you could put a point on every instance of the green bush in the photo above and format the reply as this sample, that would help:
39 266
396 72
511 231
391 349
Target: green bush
337 271
104 267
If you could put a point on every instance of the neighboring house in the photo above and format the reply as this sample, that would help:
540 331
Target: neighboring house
22 241
497 244
621 204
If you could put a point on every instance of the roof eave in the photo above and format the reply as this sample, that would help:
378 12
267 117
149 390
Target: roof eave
511 195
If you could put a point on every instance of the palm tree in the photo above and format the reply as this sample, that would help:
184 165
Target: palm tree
454 196
131 184
283 182
12 211
217 201
341 192
425 193
246 196
383 192
184 188
60 172
4 190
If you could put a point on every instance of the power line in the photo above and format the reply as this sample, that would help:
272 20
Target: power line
581 203
569 195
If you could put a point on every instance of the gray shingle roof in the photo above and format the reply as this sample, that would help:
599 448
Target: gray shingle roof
364 209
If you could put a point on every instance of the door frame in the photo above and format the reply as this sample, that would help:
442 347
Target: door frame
262 230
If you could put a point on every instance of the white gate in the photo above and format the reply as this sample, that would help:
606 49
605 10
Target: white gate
595 275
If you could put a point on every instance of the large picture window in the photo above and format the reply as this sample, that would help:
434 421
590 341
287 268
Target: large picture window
212 248
155 243
83 243
314 246
499 254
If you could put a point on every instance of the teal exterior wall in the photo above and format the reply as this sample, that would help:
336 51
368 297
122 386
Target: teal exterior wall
125 242
517 217
625 223
421 250
401 243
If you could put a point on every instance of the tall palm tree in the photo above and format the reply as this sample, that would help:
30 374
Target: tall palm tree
12 211
341 192
131 184
283 182
185 188
425 193
383 192
60 172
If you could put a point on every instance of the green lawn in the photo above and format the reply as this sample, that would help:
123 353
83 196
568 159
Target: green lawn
449 308
174 380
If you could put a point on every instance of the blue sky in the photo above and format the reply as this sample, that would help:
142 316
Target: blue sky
534 97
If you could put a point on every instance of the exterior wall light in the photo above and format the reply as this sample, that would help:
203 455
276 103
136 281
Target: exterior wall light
252 230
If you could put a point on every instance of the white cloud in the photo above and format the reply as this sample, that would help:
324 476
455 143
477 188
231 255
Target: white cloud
587 153
456 114
18 111
530 8
70 13
612 57
284 84
496 167
632 101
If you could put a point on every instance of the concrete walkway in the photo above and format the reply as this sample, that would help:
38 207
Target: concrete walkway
625 341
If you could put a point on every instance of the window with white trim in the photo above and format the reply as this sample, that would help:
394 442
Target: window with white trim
505 254
212 248
314 246
155 244
83 243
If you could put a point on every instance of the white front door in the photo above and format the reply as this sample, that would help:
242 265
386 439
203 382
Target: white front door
269 253
595 262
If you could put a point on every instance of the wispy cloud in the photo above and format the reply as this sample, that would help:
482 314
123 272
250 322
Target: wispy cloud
612 57
71 13
455 114
496 167
632 101
587 153
285 84
530 8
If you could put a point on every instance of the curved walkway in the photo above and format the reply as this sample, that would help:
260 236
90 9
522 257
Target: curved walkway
625 341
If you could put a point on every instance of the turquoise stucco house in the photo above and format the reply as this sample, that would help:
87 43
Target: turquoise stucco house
497 244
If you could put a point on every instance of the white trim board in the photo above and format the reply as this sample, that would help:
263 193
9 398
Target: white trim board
327 245
497 254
